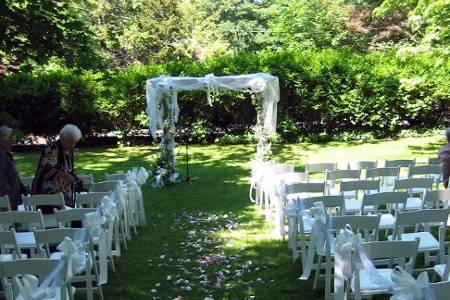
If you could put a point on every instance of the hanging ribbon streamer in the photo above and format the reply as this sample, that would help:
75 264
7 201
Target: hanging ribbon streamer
350 255
405 287
212 86
95 224
28 286
291 213
318 237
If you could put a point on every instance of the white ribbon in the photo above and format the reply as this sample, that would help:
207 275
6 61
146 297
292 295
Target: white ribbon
29 289
75 255
109 209
318 237
142 176
405 287
95 224
212 86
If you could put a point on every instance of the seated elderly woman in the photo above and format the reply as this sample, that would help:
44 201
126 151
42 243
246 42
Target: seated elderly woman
10 184
55 172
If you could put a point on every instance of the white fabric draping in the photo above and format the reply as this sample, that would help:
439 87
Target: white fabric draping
167 88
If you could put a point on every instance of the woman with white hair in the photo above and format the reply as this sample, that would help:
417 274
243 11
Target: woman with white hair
56 172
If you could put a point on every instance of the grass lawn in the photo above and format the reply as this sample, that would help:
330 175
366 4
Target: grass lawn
206 238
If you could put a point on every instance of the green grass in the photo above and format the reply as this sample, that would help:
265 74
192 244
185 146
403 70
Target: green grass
220 189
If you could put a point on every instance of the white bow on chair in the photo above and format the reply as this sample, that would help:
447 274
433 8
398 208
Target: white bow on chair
318 237
142 176
95 224
407 288
29 289
350 255
74 254
109 209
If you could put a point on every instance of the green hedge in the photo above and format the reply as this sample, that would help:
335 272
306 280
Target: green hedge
322 93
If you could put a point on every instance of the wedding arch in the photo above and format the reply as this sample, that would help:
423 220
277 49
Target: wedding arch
163 111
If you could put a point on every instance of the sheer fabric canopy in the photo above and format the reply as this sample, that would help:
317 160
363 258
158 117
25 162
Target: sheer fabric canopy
166 88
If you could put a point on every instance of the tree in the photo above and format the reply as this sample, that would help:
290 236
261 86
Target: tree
35 31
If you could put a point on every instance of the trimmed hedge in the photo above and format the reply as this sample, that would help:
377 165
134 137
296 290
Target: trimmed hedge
322 92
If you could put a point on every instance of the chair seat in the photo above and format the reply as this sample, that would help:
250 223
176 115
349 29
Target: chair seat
9 257
297 196
418 190
56 255
411 204
387 221
25 239
427 241
369 286
386 188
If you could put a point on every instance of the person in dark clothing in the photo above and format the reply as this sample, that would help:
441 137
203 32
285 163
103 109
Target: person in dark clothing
10 184
444 156
55 172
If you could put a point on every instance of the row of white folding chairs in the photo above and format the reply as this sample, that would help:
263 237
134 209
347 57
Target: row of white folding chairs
37 242
370 225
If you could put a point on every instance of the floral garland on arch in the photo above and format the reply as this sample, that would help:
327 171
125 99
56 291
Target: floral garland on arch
163 111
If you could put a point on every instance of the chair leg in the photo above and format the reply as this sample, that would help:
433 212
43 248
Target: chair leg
111 259
316 276
327 280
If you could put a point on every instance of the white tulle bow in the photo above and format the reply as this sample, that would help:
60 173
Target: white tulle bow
75 255
318 237
142 176
29 289
109 209
405 287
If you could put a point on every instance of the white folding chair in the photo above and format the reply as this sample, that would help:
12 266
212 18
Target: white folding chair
332 178
104 186
402 252
351 191
87 179
4 203
362 165
426 219
414 186
436 199
387 175
427 171
28 220
90 200
9 249
39 267
442 270
401 163
65 217
116 176
296 191
300 226
316 168
390 201
366 225
31 202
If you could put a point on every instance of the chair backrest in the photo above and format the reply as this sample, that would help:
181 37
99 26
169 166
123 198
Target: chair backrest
53 237
25 217
282 168
105 186
311 168
360 185
8 238
433 198
431 216
91 200
424 170
410 183
383 172
30 202
342 174
441 290
356 222
329 201
403 163
116 176
393 249
87 180
4 203
358 165
294 177
64 217
27 181
433 161
40 267
306 187
384 198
